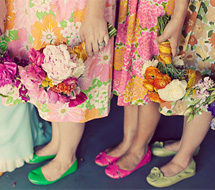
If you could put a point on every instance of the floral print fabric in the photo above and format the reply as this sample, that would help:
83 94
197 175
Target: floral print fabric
37 23
134 46
198 48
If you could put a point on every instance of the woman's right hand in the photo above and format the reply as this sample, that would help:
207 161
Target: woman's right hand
3 15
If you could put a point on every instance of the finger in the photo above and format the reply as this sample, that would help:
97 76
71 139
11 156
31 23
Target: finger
106 40
161 38
173 46
82 37
89 49
101 41
95 47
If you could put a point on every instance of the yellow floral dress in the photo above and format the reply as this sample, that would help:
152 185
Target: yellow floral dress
134 46
198 48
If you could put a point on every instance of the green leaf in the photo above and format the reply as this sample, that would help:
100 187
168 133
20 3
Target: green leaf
3 46
210 33
7 39
63 24
72 17
9 100
30 37
190 118
13 35
192 8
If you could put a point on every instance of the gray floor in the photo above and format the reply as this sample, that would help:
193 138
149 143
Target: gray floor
107 132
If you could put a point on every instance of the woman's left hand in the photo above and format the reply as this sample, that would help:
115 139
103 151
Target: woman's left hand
172 33
94 32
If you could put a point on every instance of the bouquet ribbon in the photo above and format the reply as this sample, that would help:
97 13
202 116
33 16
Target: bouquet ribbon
165 56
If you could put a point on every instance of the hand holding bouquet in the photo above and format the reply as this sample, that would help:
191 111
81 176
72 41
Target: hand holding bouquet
53 73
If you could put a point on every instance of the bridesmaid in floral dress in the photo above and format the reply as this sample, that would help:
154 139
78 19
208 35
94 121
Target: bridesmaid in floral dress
37 23
198 48
135 44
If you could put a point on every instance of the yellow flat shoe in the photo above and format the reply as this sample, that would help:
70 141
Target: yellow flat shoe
158 149
157 179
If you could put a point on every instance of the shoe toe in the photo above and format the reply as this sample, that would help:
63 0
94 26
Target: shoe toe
36 176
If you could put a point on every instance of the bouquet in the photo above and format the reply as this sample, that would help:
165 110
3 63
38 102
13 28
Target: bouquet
11 87
53 73
205 98
166 79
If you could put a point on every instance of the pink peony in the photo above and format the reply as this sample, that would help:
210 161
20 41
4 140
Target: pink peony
7 73
70 81
58 63
36 57
53 96
63 99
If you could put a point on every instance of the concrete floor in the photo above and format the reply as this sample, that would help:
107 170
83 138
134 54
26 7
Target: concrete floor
107 132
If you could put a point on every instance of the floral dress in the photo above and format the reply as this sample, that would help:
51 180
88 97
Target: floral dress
37 23
198 48
134 46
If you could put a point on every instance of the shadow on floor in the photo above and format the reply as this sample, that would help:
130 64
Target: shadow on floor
107 132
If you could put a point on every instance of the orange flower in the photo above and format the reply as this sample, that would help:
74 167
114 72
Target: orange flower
164 77
170 7
212 2
47 32
148 85
118 59
10 15
192 40
79 15
212 40
190 21
155 97
160 83
89 114
151 73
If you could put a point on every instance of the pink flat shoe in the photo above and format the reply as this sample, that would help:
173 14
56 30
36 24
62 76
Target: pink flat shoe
103 159
113 171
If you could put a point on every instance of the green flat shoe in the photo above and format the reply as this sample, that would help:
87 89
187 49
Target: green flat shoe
36 176
158 149
37 159
157 179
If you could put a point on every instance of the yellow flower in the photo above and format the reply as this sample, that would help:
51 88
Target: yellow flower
118 60
47 82
47 32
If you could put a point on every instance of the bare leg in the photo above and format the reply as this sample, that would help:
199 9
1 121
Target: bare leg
70 136
193 134
52 147
148 118
130 127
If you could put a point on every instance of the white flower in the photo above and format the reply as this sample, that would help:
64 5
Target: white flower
177 61
6 89
58 63
173 91
149 63
212 124
79 70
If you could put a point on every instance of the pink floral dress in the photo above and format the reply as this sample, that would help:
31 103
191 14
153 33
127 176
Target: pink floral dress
134 46
37 23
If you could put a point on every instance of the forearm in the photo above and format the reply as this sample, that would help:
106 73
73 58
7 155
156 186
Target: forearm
95 8
180 11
